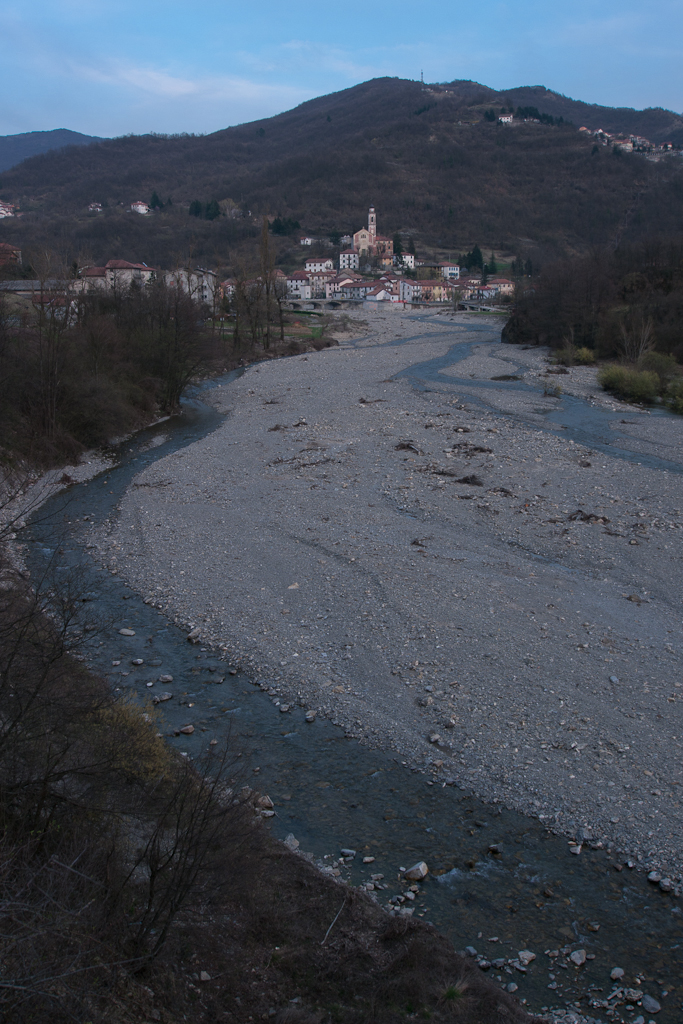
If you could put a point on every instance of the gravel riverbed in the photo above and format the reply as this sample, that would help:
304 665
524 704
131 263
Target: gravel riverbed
433 570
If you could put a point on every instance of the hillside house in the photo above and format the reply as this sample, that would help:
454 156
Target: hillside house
201 285
506 119
349 260
116 275
315 265
95 208
9 254
451 271
299 286
139 207
307 240
6 210
407 259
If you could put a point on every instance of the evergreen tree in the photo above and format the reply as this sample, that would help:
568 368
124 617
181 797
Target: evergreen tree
398 245
196 208
411 245
475 258
484 274
213 210
529 269
492 265
155 203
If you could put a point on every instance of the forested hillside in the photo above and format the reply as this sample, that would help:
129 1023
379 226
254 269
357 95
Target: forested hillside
15 148
426 156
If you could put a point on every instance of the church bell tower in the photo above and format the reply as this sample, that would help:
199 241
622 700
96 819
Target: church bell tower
372 223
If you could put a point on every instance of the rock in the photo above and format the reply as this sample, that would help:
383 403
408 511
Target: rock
617 973
127 632
417 872
613 679
484 965
655 877
409 896
511 987
310 716
650 1005
638 1020
213 743
161 697
245 793
284 708
291 842
267 814
434 737
525 956
193 636
165 679
137 661
265 803
575 849
470 950
633 995
368 860
593 926
346 852
666 885
499 964
204 976
578 957
187 730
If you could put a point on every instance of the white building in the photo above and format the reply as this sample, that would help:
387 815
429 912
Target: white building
349 259
407 259
451 271
139 207
201 285
6 210
299 286
317 266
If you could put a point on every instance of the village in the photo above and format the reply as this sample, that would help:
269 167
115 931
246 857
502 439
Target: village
367 270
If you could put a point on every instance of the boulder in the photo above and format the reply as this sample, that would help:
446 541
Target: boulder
417 872
187 730
127 632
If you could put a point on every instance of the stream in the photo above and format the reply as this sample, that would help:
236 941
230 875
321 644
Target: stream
499 882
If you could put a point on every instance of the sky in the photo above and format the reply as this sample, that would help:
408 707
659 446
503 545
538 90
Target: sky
135 67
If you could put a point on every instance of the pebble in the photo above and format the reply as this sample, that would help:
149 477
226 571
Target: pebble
650 1005
137 661
161 697
187 730
204 976
470 950
284 708
310 716
617 973
578 957
525 956
127 632
368 860
347 852
291 842
193 636
655 877
666 885
417 872
511 987
165 679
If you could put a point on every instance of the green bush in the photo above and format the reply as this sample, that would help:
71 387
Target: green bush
664 366
631 385
674 397
569 355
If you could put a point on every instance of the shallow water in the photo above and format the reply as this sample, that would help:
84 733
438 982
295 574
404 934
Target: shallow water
331 792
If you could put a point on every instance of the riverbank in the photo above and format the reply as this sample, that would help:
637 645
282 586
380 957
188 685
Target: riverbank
444 578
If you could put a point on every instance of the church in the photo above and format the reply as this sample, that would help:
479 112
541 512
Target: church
367 242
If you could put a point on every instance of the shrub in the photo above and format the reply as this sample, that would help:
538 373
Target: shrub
631 385
664 366
674 397
584 356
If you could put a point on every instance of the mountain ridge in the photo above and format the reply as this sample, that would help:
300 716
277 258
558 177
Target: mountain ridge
14 149
423 153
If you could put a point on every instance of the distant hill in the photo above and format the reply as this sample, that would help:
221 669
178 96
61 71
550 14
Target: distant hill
15 148
425 155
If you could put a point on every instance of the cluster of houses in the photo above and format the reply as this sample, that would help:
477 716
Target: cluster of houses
628 143
6 210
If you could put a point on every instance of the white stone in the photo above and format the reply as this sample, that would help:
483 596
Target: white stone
417 872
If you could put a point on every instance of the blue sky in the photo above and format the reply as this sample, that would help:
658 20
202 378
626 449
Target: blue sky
113 68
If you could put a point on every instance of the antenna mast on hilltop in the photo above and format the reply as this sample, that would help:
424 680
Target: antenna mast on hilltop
422 77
